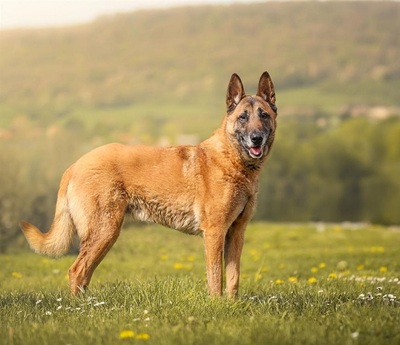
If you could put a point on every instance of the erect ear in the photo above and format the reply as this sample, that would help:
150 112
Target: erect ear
266 90
234 93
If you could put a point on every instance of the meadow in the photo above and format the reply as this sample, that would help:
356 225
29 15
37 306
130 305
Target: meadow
300 284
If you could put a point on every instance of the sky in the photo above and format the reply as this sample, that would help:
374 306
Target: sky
48 13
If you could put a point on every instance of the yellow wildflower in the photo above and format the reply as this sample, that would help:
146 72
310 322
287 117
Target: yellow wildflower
126 334
377 249
314 269
322 265
293 279
383 269
182 266
279 281
178 266
16 275
312 280
332 276
142 336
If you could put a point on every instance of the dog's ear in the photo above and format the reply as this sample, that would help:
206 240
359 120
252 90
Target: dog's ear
266 90
234 93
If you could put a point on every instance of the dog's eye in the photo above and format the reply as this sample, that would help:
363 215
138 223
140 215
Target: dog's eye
243 117
263 115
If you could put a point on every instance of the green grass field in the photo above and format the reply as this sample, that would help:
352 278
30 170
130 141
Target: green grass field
300 284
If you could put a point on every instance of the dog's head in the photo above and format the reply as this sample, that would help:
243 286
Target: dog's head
251 120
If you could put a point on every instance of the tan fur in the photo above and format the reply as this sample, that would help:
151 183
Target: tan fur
207 190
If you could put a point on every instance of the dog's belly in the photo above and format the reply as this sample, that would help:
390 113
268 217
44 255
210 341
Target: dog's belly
177 216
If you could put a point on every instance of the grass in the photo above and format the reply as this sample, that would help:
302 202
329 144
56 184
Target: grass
301 284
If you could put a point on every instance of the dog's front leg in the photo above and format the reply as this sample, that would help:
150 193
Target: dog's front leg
214 244
233 250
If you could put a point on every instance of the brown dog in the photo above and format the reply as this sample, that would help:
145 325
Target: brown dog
209 190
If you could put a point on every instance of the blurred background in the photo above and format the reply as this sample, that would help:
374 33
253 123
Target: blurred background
78 74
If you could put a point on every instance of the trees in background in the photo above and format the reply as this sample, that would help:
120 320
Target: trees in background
347 172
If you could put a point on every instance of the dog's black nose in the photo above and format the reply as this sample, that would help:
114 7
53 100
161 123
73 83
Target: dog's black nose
256 138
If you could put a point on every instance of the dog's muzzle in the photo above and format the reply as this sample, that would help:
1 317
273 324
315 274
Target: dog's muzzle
255 144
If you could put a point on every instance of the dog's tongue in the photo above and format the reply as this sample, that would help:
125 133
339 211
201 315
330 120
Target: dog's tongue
256 151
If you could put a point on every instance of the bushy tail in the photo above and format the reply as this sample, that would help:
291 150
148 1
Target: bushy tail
58 240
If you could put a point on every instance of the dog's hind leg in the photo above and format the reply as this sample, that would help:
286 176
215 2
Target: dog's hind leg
90 256
93 249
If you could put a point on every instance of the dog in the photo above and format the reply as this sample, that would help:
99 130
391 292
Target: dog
208 190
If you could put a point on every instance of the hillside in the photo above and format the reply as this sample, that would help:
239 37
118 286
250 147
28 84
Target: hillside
337 53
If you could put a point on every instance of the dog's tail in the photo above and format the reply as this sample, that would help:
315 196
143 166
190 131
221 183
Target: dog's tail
58 240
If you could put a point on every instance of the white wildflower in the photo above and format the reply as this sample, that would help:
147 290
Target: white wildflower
272 298
354 335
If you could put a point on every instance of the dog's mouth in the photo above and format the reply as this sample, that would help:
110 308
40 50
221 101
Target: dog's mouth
255 152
